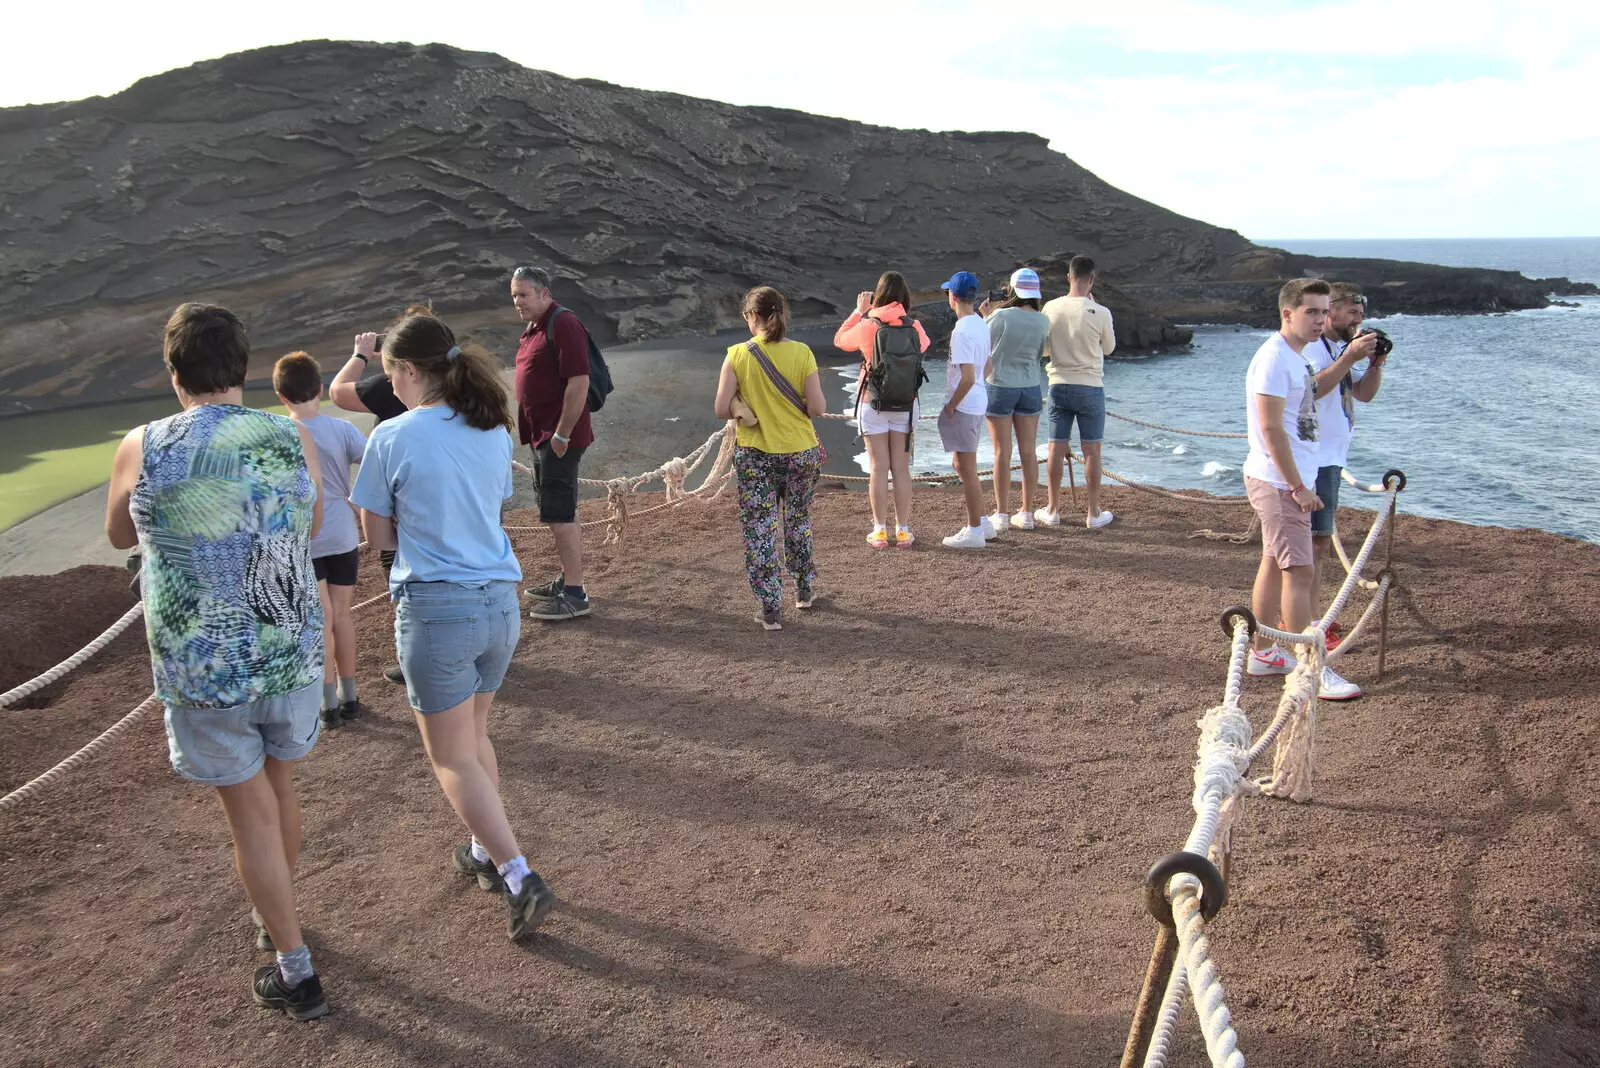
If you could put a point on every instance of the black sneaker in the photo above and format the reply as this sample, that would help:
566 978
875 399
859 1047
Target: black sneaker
353 709
303 1002
395 674
563 606
263 939
549 591
528 908
485 872
331 719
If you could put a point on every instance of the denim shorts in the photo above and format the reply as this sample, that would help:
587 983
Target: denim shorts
1085 403
1015 400
454 641
1328 479
227 746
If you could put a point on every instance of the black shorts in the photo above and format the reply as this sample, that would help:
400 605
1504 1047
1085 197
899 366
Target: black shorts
339 569
556 478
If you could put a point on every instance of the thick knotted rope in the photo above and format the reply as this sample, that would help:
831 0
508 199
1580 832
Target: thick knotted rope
77 659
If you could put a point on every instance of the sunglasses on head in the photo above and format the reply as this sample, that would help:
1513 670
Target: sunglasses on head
1361 300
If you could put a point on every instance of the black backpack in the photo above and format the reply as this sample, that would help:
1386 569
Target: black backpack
599 374
895 372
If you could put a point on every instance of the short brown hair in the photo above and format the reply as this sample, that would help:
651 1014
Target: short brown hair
206 348
297 378
1080 267
1344 292
771 312
1296 290
892 289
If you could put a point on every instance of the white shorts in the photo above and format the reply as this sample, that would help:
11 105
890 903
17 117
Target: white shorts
876 422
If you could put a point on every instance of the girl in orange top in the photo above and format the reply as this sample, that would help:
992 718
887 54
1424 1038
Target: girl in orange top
886 451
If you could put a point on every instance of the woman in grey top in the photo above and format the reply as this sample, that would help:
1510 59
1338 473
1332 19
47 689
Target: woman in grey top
1017 330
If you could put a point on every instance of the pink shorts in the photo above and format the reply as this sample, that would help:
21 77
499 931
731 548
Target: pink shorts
1285 529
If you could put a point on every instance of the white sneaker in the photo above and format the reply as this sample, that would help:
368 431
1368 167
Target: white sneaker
989 533
1335 688
1273 661
1000 521
1047 517
1095 522
965 538
1022 520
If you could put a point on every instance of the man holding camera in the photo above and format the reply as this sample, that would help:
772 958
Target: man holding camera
1339 385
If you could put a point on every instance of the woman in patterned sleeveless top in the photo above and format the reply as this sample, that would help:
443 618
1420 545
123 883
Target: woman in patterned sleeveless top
222 502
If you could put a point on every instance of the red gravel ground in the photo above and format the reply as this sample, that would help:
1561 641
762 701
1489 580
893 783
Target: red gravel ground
907 829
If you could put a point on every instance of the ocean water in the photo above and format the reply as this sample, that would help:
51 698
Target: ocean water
1494 419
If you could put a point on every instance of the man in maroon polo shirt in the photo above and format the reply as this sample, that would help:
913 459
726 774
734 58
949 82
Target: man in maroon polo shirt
553 419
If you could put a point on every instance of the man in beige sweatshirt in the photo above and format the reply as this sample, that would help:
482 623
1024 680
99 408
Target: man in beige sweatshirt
1080 339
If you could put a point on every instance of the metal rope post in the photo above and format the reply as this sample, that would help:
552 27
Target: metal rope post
1072 479
1144 1016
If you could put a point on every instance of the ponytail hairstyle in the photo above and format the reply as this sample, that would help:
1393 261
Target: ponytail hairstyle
468 379
771 312
1014 301
892 289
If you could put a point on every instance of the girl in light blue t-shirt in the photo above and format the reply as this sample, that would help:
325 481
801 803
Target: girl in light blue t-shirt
431 485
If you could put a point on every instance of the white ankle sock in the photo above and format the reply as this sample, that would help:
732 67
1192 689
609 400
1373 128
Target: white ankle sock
513 872
479 854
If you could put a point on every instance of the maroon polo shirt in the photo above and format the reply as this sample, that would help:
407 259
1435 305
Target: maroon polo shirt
547 357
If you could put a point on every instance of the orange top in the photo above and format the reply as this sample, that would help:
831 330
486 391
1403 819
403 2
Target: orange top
858 331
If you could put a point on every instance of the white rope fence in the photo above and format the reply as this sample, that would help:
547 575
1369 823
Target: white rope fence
111 734
76 660
1226 752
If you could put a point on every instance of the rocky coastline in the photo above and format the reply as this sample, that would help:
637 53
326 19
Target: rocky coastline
320 187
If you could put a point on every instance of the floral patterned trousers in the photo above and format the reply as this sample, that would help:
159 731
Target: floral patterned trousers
770 482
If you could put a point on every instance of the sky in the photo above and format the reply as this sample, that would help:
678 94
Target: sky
1283 119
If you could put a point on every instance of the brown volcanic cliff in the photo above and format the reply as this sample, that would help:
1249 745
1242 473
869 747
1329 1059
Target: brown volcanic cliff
319 187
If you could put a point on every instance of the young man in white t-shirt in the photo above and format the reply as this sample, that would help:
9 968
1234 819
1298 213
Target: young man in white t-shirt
966 400
1281 417
1336 396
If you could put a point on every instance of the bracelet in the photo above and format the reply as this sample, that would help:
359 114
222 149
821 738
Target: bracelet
557 437
358 356
1297 489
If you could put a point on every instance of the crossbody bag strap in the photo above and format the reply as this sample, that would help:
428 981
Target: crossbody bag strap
782 384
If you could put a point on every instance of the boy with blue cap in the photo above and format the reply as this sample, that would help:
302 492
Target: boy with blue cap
966 400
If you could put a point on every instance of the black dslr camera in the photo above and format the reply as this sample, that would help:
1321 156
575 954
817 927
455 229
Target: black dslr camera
1384 347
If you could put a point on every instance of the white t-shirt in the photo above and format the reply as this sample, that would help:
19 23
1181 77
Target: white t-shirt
1276 370
1335 409
969 343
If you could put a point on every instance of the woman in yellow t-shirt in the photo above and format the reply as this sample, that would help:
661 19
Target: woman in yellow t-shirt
779 458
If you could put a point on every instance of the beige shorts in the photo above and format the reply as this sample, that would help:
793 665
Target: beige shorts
1285 529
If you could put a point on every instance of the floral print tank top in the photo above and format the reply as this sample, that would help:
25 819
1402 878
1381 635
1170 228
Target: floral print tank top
223 507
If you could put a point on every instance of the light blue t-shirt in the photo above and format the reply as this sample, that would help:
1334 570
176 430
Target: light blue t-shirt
339 445
443 481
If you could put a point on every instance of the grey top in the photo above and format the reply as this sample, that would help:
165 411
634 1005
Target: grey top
1016 343
339 445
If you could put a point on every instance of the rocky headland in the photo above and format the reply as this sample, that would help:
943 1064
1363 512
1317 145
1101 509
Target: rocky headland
319 187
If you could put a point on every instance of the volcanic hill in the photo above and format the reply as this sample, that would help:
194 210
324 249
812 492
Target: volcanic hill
319 187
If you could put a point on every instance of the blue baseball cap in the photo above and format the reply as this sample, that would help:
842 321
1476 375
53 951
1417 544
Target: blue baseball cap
963 284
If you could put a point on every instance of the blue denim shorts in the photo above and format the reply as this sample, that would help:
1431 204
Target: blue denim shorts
1015 400
1328 479
1087 404
227 746
454 641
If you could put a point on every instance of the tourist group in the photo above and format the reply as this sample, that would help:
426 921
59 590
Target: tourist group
248 523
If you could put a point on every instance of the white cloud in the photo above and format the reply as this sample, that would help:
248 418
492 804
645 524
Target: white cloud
1257 98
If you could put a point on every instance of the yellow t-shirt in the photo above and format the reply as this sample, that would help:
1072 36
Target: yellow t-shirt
781 427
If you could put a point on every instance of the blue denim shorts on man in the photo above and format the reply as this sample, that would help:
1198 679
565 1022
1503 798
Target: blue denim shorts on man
227 746
1085 403
1015 400
1328 479
454 641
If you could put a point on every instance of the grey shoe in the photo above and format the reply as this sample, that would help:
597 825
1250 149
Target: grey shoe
395 674
263 939
548 591
804 596
529 907
562 606
769 620
486 873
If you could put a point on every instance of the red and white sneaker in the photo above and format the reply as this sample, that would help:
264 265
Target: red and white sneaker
1272 661
1335 635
